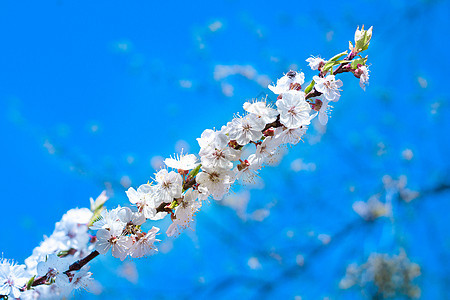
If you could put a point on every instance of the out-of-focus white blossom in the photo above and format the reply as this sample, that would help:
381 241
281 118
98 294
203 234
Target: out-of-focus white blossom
12 278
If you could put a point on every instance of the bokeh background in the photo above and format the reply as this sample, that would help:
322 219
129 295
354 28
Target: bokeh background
94 94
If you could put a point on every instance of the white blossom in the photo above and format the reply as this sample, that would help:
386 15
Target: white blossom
82 280
284 83
182 162
217 154
113 239
294 110
146 200
364 78
144 244
12 278
169 185
291 136
262 110
246 129
184 213
328 86
314 62
248 169
109 219
216 182
53 266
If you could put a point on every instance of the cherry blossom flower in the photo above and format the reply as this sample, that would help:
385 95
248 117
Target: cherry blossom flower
12 278
169 185
291 136
82 280
146 200
328 86
284 83
248 169
114 239
262 110
108 220
315 62
246 129
217 154
144 244
294 110
266 149
184 213
53 266
364 77
216 182
182 162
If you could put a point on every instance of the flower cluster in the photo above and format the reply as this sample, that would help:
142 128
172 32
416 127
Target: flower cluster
179 189
45 270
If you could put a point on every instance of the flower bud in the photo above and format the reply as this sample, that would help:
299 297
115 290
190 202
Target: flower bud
362 39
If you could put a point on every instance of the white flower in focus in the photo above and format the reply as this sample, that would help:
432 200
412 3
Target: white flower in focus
108 220
146 200
267 149
248 169
144 244
12 279
324 109
314 62
113 239
262 110
207 140
184 213
246 129
364 78
169 185
328 86
218 154
294 110
182 162
284 83
291 136
130 219
216 182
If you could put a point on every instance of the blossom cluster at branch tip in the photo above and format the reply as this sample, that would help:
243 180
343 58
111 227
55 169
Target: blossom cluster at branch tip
187 180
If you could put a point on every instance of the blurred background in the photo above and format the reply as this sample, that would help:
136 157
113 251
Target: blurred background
95 94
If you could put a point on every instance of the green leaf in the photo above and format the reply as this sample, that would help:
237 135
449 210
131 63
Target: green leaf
337 56
358 61
329 65
30 282
309 87
195 171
